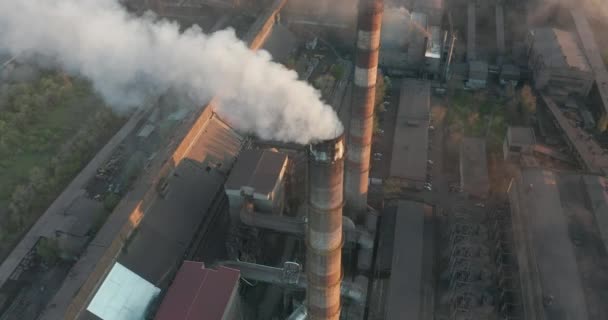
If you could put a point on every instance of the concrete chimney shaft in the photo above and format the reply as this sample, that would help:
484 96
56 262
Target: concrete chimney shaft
362 109
324 229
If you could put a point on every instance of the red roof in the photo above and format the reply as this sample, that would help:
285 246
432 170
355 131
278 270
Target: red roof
198 293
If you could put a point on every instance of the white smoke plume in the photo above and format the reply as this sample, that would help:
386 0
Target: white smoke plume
398 27
395 25
129 58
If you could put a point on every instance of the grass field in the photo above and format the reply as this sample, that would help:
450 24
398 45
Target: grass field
478 115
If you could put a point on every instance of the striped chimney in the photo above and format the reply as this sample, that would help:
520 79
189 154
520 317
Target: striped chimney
362 109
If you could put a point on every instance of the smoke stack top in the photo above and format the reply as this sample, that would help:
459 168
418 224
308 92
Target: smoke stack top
129 59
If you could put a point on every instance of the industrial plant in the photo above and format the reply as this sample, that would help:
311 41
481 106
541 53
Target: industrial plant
304 159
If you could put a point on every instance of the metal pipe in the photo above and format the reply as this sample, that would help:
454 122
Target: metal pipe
357 234
299 314
295 226
355 291
324 230
362 109
268 221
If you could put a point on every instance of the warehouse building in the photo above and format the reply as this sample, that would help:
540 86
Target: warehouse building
203 294
410 142
560 250
406 255
558 64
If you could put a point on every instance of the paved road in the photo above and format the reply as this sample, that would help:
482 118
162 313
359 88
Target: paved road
383 143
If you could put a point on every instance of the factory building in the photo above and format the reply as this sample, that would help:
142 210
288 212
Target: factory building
418 38
478 74
123 295
199 293
410 146
415 45
518 141
433 9
474 180
560 252
406 255
599 91
261 175
558 64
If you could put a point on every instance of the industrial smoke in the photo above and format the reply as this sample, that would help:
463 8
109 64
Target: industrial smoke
395 26
129 59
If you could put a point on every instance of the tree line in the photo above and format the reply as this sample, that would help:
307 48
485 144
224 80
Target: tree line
25 130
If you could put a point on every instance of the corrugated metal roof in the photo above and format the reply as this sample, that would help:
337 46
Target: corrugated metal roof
474 167
411 131
405 288
198 293
559 48
218 147
171 222
258 169
123 296
593 54
553 258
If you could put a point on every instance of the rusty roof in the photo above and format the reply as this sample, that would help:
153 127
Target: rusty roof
198 293
218 147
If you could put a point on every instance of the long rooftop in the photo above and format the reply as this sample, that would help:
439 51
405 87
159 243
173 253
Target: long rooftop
593 54
411 131
559 49
550 277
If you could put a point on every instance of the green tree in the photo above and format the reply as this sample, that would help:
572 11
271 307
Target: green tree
291 62
21 199
39 180
380 89
48 250
337 70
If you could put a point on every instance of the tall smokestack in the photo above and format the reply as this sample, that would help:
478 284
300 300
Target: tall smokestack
324 231
362 109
